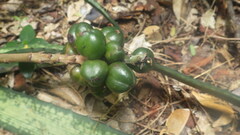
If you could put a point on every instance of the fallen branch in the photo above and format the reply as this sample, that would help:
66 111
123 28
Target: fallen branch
41 58
70 59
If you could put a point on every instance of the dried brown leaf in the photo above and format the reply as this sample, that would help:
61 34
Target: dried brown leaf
204 124
77 10
59 102
213 103
208 20
223 120
68 95
137 42
196 62
177 8
11 5
177 121
180 9
153 33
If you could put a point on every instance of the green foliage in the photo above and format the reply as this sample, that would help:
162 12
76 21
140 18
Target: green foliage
29 43
192 49
44 117
25 115
69 50
27 34
17 18
26 69
5 67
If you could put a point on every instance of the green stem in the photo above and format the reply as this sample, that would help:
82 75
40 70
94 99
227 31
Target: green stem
96 5
205 87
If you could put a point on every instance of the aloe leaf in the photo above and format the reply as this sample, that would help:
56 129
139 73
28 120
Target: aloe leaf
25 115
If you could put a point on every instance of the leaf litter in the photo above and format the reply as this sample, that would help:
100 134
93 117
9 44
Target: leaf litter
158 104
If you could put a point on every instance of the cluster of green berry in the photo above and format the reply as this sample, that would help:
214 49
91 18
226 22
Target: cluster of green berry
105 69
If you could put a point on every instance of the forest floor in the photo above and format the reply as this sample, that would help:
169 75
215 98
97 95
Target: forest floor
200 38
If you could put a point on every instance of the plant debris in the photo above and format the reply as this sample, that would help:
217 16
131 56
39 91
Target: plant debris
198 38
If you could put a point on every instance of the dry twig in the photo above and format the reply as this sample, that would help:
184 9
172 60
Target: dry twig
42 58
